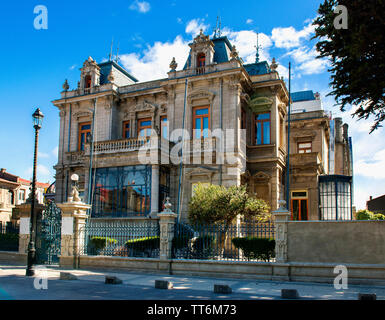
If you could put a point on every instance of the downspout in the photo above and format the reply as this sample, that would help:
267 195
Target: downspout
222 136
68 145
288 148
181 162
89 200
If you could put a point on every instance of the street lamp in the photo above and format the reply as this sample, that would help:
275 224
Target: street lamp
37 122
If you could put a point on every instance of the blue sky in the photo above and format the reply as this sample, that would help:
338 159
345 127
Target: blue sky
35 63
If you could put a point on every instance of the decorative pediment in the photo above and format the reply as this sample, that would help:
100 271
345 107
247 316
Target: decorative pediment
146 106
84 113
260 104
261 176
199 173
303 134
201 94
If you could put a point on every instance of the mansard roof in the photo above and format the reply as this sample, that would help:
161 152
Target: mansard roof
222 50
307 95
257 68
105 69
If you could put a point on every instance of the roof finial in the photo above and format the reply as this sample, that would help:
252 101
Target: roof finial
117 54
257 47
218 32
112 43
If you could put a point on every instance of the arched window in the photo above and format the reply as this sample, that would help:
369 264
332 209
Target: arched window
87 81
201 62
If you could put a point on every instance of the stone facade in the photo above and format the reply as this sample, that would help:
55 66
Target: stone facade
233 92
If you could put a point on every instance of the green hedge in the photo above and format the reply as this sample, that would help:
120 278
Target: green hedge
9 242
149 243
369 215
96 244
256 248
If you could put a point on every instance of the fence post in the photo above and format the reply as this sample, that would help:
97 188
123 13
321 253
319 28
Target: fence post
24 216
74 215
281 220
166 223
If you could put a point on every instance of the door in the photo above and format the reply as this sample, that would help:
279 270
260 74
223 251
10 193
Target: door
299 210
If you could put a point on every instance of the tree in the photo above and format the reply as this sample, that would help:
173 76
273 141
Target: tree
357 55
214 204
220 205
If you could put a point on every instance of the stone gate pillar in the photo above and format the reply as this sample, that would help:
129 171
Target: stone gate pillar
74 216
24 216
166 223
281 217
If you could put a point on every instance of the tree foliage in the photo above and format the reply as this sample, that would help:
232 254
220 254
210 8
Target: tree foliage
217 204
357 56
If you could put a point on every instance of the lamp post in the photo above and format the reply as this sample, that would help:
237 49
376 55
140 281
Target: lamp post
37 122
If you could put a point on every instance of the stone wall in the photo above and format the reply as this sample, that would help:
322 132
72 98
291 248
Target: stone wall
339 242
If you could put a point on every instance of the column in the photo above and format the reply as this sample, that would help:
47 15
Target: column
74 215
155 190
166 224
24 211
281 217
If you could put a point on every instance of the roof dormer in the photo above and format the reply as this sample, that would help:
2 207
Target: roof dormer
90 74
202 52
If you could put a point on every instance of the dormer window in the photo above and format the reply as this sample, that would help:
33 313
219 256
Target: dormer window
201 62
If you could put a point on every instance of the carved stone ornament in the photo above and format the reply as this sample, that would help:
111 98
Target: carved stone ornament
201 94
111 77
146 106
82 114
261 176
66 85
234 54
173 64
201 38
273 65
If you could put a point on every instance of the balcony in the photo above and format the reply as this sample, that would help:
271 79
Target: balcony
115 146
305 159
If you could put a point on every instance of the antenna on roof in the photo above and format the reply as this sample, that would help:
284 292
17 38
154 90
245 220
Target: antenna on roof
112 43
117 54
218 32
257 47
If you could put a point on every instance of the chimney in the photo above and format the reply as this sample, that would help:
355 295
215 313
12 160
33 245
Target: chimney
2 170
370 198
338 128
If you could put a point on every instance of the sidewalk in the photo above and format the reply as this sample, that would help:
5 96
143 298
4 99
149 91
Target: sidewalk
13 285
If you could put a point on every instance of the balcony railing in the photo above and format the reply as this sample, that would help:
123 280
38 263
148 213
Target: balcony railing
126 145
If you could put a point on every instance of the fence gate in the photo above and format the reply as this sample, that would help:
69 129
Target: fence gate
48 235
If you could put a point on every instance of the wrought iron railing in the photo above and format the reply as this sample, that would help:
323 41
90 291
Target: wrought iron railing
9 236
120 239
251 241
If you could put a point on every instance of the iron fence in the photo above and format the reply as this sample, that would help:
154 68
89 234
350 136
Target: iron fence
251 241
121 240
9 236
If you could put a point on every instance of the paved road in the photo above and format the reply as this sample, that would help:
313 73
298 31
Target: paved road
139 286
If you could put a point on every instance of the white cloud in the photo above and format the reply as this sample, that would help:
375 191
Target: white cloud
140 6
306 59
245 42
154 62
73 67
194 27
42 172
372 167
249 21
288 38
43 155
55 151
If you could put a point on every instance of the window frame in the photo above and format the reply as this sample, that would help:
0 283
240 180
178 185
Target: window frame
162 125
262 131
140 128
300 199
304 149
83 131
201 117
125 129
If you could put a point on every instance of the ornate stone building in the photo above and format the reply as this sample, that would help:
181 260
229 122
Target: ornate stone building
110 116
230 118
